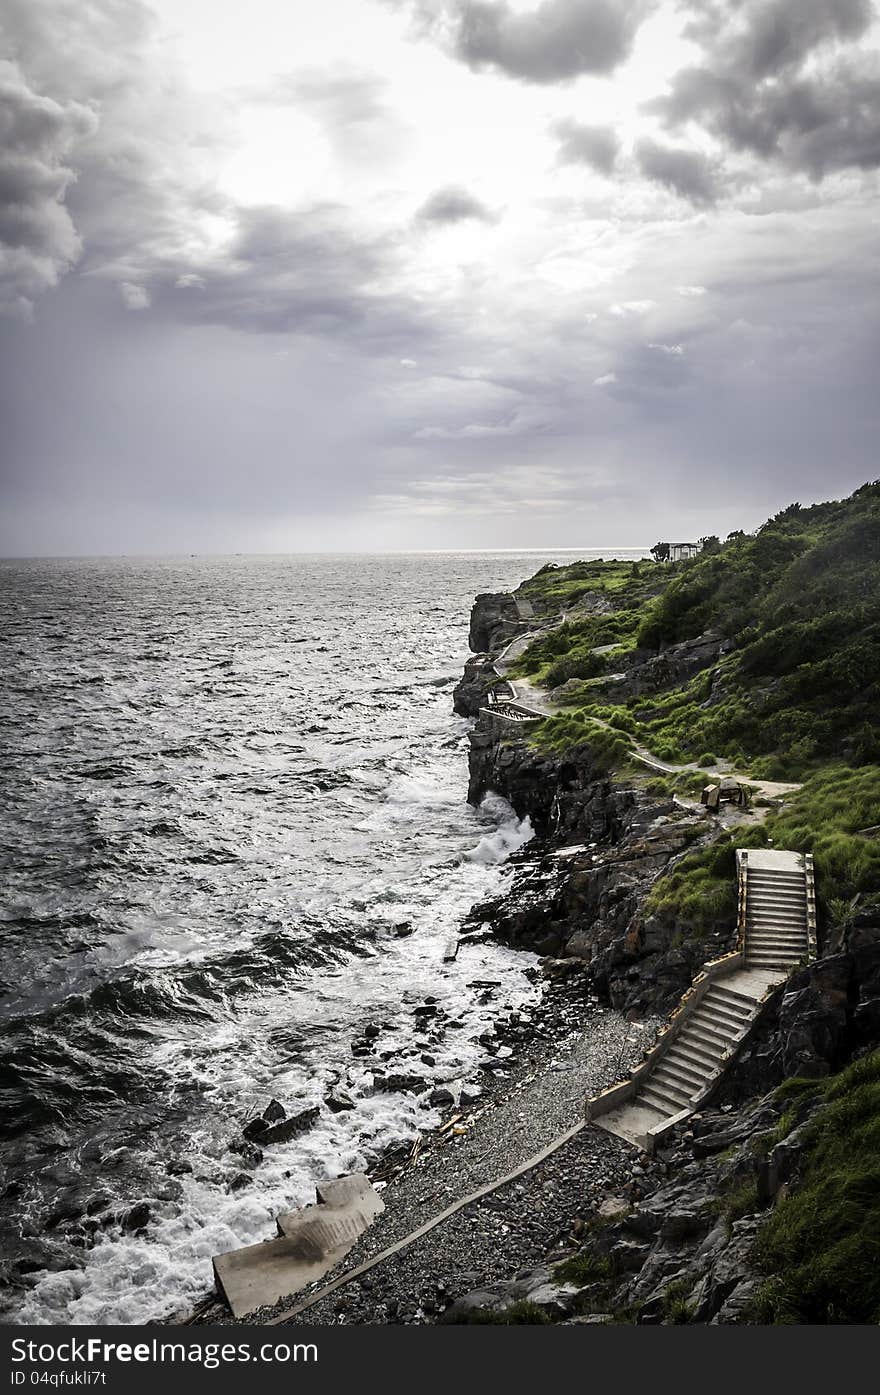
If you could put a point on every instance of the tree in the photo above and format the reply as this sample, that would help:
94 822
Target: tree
660 552
710 543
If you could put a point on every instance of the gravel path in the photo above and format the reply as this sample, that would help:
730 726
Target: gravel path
572 1049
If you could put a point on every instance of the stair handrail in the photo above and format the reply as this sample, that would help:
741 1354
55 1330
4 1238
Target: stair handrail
810 888
742 868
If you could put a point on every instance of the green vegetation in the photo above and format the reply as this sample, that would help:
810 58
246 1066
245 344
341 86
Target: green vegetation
586 1267
676 1310
568 731
565 586
799 599
701 891
820 1245
823 818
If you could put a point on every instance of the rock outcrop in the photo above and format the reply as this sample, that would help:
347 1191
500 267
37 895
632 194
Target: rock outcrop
602 845
495 620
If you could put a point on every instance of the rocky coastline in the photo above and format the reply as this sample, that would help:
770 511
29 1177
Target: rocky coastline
677 1241
599 1232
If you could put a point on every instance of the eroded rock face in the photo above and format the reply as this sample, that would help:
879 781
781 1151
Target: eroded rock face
495 620
469 694
590 903
651 673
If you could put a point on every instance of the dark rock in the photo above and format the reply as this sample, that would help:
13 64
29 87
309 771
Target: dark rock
249 1153
338 1102
65 1211
406 1084
274 1112
240 1180
136 1217
441 1097
292 1127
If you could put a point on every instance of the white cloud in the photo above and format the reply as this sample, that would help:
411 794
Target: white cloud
134 297
605 380
632 307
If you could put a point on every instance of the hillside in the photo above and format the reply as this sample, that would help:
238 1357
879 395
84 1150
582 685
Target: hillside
762 652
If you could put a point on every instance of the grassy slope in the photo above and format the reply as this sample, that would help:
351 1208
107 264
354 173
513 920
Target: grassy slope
820 1246
797 698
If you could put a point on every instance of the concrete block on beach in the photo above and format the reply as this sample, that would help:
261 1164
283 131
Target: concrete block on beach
312 1240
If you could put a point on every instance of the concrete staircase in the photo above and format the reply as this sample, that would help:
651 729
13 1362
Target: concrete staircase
777 934
776 925
697 1054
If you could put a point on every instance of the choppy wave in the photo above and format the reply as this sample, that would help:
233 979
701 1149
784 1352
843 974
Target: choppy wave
234 835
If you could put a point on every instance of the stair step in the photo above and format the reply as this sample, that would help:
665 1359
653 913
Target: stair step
777 932
720 1029
694 1070
671 1085
673 1073
774 873
660 1100
790 910
733 993
738 1007
728 1018
776 926
691 1052
761 961
706 1038
765 937
777 893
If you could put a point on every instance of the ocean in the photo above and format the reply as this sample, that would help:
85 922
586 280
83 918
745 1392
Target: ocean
234 835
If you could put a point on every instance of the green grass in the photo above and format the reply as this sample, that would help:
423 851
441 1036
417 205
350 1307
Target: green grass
821 818
701 890
676 1310
800 598
820 1246
584 1268
571 731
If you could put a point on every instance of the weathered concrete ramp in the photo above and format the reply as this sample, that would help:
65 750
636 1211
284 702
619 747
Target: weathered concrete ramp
311 1241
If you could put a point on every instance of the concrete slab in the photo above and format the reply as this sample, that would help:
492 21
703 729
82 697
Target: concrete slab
355 1191
630 1122
774 860
312 1241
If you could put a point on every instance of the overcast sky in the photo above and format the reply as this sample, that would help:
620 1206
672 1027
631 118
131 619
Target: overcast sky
365 274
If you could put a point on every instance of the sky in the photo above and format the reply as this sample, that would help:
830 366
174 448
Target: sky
404 274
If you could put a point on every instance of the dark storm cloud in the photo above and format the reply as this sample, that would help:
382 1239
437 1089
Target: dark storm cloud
454 205
308 272
139 194
763 37
777 82
556 42
38 240
136 210
596 146
687 173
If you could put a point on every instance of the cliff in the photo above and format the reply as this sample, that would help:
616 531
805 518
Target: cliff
652 680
